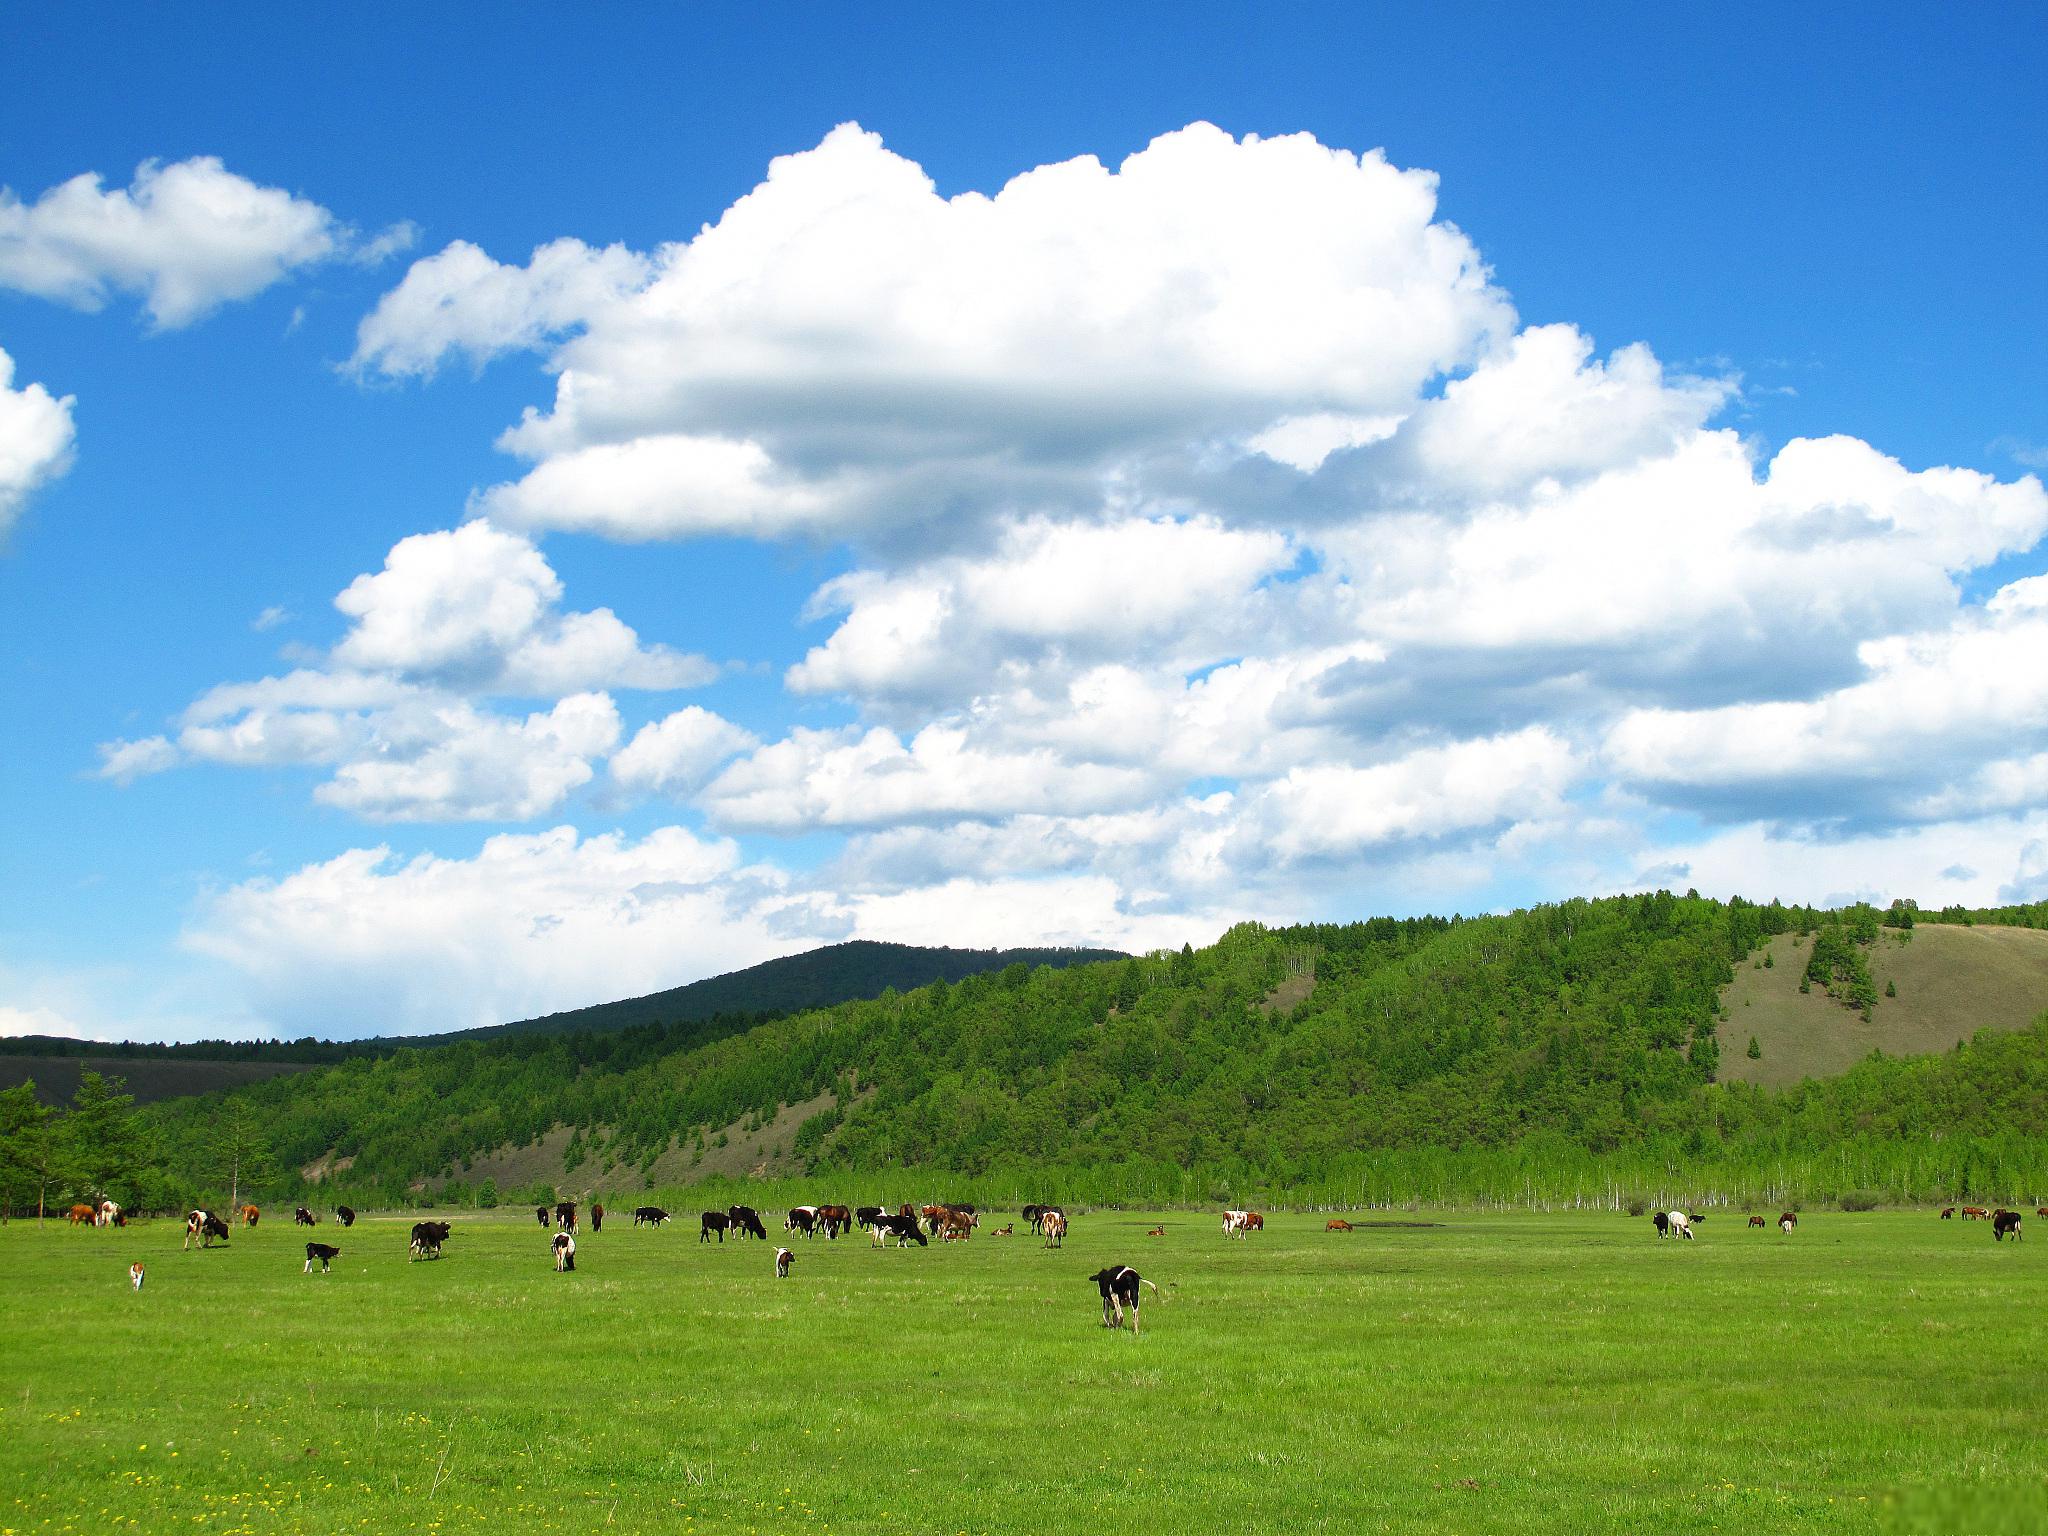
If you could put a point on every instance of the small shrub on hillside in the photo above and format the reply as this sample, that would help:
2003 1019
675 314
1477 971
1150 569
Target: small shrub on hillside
1637 1205
1891 989
1756 1051
1860 1200
1769 963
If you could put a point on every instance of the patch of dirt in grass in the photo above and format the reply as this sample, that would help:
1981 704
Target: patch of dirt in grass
1951 982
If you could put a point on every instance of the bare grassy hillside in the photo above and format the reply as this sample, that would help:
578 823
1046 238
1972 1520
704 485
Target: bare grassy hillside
1951 983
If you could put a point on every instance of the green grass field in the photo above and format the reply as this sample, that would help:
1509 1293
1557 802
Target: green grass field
1493 1373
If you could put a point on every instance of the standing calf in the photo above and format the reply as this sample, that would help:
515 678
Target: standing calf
782 1262
324 1252
1119 1289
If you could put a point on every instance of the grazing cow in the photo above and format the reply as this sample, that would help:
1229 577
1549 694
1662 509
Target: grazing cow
1120 1289
1975 1213
565 1214
1158 1232
1679 1225
345 1215
596 1217
205 1226
107 1214
1757 1221
1034 1214
864 1216
1337 1226
957 1226
802 1218
540 1214
714 1221
2041 1210
249 1215
427 1238
2004 1222
135 1274
782 1261
326 1253
1787 1221
1054 1226
744 1219
1662 1223
302 1217
835 1219
565 1252
1948 1213
80 1215
652 1215
905 1229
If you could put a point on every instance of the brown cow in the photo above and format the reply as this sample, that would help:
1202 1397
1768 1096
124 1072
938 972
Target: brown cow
249 1215
1975 1213
80 1213
1337 1226
1948 1213
1756 1221
1054 1226
1787 1221
1004 1230
1157 1232
835 1219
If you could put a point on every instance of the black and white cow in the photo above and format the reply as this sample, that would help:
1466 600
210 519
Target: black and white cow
205 1226
540 1214
865 1215
651 1215
565 1252
345 1215
905 1229
1120 1289
565 1213
744 1219
801 1218
304 1218
427 1238
326 1253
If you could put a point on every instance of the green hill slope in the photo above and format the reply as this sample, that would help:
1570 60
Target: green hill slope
1950 983
1565 1048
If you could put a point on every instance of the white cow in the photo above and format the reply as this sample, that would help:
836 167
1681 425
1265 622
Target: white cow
1681 1224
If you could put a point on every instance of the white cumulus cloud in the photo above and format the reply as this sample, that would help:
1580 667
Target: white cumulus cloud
36 435
185 238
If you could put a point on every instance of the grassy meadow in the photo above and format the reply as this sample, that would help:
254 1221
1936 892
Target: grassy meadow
1512 1372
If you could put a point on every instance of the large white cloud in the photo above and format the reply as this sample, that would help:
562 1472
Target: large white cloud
35 440
186 238
846 351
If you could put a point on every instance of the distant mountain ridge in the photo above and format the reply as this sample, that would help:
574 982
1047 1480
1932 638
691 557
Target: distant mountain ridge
817 978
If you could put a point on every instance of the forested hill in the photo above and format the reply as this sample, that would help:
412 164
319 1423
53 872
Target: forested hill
818 978
1552 1037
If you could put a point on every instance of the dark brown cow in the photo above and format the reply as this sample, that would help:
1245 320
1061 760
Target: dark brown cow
744 1219
596 1217
2003 1222
1756 1221
565 1213
1948 1213
1787 1221
835 1219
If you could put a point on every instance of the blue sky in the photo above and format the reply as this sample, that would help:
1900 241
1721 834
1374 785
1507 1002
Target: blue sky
1628 475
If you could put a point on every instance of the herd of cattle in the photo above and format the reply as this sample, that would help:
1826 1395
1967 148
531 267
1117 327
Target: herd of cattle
1121 1286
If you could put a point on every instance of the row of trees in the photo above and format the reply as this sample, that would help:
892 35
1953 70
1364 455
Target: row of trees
99 1147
